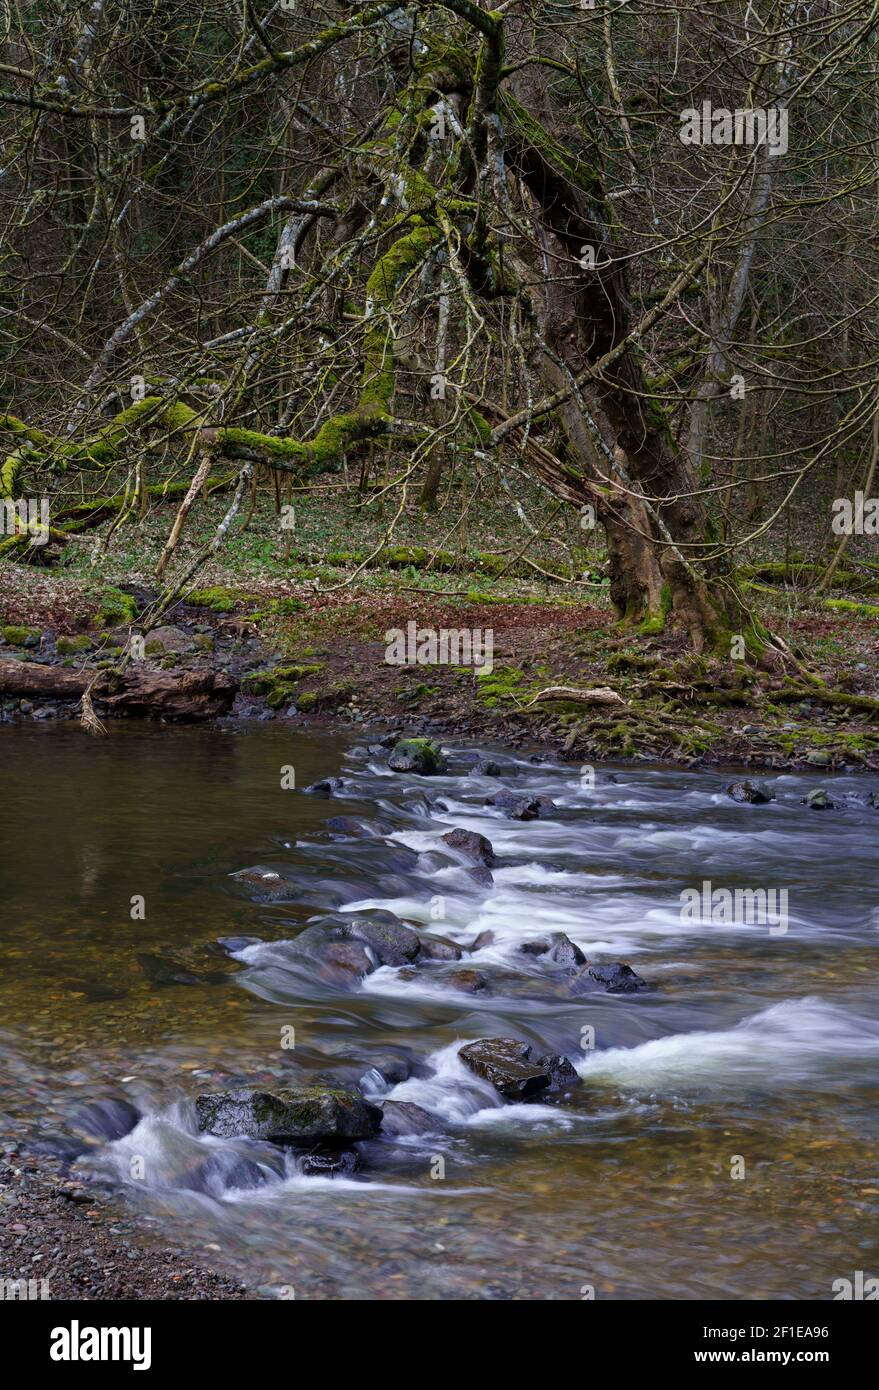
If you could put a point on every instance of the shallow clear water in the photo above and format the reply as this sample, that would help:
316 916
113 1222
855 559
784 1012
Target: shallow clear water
756 1050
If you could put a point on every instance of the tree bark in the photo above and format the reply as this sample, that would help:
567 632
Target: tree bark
139 690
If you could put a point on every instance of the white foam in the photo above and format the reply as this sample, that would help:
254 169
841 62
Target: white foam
798 1041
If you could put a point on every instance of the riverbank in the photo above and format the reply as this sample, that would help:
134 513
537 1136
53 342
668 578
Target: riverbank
278 650
85 1246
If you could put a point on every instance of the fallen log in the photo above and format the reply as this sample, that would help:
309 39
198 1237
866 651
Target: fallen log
25 679
140 691
597 695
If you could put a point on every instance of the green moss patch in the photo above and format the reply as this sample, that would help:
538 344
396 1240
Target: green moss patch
116 607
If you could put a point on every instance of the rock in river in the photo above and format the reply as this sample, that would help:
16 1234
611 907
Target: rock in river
613 979
487 767
559 947
333 954
818 800
266 883
105 1120
514 1071
472 846
327 786
421 755
465 982
404 1117
440 948
328 1162
392 941
754 793
517 807
311 1114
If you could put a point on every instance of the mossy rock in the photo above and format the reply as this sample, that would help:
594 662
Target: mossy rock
72 646
219 599
116 607
21 636
421 755
288 1116
280 678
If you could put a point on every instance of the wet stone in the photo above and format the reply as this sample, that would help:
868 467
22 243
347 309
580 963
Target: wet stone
613 979
327 786
511 1067
339 958
560 949
266 883
393 943
420 755
476 848
327 1162
105 1120
466 981
753 793
440 948
819 800
312 1113
403 1117
518 807
232 945
353 828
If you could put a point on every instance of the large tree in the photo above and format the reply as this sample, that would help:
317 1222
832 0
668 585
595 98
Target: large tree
437 229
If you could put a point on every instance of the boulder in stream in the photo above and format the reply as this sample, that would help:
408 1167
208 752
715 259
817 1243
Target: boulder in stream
559 947
232 945
465 981
326 1161
516 806
403 1117
471 845
819 800
326 786
421 755
338 958
353 828
485 938
754 793
440 948
392 941
616 978
265 882
307 1115
487 767
514 1071
103 1121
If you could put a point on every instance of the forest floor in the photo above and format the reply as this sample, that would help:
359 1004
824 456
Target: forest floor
304 625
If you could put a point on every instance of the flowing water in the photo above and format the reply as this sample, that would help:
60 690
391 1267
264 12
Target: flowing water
722 1144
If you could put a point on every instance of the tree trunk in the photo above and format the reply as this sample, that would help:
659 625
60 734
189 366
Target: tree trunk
138 690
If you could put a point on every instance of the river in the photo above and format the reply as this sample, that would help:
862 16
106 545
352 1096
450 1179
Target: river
721 1144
